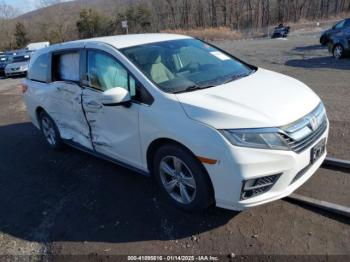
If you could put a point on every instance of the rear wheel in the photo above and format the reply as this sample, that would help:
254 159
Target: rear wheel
338 51
50 131
182 178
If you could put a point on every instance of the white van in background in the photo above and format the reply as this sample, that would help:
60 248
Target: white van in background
37 46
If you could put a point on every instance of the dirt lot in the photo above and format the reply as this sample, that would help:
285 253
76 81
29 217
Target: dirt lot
71 203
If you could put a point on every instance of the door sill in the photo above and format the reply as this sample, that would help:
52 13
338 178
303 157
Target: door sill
104 157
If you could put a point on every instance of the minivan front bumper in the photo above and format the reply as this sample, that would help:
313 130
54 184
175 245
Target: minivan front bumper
240 164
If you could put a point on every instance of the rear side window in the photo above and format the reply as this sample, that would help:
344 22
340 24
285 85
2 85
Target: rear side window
66 67
39 68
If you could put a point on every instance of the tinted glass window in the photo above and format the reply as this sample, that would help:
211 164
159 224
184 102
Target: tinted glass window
105 72
339 25
39 68
347 23
66 67
22 58
180 65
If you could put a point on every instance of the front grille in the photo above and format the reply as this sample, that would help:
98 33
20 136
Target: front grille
301 145
302 133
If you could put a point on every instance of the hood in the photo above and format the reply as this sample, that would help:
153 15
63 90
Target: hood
263 99
18 64
328 31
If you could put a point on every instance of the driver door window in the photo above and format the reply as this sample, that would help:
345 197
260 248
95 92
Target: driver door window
105 72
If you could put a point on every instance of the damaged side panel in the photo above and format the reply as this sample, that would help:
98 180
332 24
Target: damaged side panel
65 106
114 129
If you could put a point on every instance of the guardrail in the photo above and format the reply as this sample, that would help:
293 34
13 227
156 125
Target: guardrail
334 164
324 205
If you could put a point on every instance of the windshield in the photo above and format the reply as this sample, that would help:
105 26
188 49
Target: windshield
185 65
339 25
20 58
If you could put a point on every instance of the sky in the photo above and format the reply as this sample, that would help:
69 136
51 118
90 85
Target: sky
23 5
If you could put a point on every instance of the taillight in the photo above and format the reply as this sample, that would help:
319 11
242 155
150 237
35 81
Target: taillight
24 88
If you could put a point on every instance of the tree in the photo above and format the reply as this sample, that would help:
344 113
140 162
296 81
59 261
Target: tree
138 17
93 24
21 35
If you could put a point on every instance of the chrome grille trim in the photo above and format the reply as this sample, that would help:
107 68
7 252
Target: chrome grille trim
302 144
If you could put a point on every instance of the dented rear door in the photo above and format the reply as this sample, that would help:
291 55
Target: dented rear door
68 113
65 105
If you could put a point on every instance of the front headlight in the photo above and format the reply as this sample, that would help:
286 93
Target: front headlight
23 68
256 138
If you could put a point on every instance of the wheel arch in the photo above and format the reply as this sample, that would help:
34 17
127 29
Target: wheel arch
158 143
38 111
338 43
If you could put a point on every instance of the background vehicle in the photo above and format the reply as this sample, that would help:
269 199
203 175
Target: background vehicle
6 58
337 28
18 64
37 46
280 31
3 63
339 44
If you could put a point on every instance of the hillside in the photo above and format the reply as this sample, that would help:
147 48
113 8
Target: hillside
207 18
73 8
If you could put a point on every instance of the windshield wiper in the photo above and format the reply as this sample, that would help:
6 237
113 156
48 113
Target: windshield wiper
193 88
235 77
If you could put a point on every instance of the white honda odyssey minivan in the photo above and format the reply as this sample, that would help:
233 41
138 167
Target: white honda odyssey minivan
209 127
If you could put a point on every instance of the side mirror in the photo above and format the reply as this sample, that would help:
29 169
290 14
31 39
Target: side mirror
116 97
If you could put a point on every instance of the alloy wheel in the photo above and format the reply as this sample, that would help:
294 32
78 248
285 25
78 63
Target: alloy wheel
338 52
177 179
48 130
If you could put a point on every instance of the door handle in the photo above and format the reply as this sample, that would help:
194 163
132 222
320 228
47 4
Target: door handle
94 105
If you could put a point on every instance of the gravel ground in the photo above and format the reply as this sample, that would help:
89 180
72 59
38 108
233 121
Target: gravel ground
70 203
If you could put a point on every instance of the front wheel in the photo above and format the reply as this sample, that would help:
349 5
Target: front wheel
182 178
323 41
338 51
50 131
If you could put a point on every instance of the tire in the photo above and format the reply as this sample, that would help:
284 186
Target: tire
50 131
338 51
188 184
323 41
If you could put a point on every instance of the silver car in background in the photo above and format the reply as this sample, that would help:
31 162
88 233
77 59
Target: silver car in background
18 65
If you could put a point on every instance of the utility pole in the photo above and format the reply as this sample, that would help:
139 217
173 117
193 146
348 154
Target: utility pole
125 25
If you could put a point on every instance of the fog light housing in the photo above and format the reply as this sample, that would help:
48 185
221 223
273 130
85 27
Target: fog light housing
257 186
